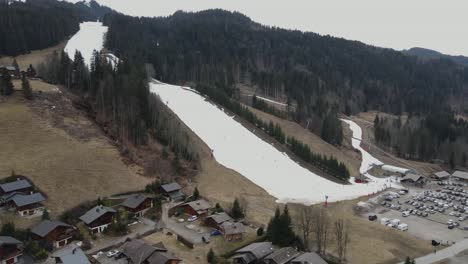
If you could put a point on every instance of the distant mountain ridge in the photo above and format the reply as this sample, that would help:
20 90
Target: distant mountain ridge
432 54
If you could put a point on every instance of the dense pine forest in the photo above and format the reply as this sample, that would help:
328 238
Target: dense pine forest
39 24
324 76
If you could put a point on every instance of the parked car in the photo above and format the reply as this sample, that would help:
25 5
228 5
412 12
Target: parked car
112 253
372 217
405 214
192 218
450 226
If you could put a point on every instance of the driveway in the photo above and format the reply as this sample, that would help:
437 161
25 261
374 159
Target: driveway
191 231
145 225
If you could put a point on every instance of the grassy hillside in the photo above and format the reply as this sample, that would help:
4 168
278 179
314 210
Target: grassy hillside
61 151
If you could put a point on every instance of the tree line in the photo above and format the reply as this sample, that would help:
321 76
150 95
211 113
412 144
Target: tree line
324 76
439 136
119 100
329 165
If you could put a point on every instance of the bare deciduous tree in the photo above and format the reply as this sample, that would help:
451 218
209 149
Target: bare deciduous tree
341 238
321 228
305 224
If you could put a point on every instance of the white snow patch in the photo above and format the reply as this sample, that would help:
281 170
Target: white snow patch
89 38
235 147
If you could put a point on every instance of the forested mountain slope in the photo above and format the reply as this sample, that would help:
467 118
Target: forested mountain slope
38 24
432 54
323 75
222 48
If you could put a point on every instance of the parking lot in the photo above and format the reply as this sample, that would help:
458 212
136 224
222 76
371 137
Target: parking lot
437 212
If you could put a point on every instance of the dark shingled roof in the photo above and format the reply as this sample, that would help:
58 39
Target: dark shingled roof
14 186
309 258
134 200
161 258
71 255
138 251
220 218
231 228
22 200
200 206
259 250
47 226
171 187
8 240
283 255
95 213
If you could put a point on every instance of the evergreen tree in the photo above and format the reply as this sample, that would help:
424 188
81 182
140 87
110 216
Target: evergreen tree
45 215
8 229
280 230
211 257
27 90
236 210
6 86
218 208
16 66
196 194
260 231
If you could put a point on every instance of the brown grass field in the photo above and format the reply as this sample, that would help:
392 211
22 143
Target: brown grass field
37 142
35 57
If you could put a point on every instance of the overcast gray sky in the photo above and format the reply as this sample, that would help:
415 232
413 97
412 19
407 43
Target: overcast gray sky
400 24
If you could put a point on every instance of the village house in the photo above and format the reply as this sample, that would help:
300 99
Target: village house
441 175
199 208
215 220
172 190
12 71
18 186
69 255
461 175
232 231
139 252
11 250
281 256
27 204
54 233
308 258
98 218
413 179
253 253
137 204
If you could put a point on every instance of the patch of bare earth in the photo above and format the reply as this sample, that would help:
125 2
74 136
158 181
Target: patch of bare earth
61 151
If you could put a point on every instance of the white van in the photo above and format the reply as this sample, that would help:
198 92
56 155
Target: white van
402 227
384 221
395 222
405 214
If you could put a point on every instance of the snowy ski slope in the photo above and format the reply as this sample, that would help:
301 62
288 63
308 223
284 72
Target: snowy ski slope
237 148
90 37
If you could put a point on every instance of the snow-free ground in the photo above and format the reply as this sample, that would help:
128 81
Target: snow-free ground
89 38
235 147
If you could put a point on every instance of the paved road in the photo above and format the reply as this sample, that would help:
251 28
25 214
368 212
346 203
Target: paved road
443 253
